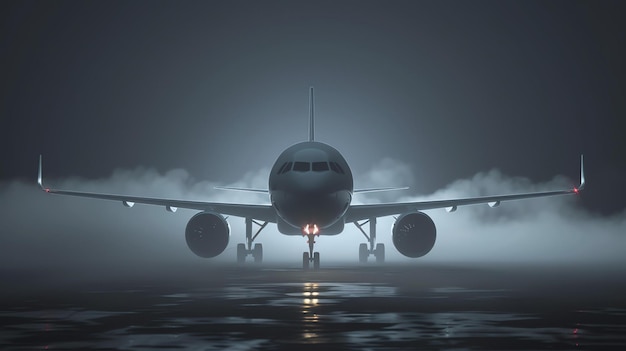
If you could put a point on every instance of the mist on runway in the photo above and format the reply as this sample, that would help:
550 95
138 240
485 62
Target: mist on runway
85 236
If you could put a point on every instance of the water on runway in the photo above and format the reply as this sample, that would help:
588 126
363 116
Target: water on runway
358 308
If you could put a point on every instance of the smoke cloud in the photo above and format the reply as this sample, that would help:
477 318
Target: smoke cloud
76 235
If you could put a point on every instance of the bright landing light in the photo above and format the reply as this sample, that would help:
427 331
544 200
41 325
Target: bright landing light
310 229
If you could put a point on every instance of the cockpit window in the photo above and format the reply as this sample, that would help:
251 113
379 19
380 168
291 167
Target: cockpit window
301 166
320 166
282 168
286 167
336 167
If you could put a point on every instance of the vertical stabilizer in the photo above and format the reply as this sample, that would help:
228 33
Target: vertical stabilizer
311 115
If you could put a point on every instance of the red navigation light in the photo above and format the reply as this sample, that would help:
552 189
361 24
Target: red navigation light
576 190
47 190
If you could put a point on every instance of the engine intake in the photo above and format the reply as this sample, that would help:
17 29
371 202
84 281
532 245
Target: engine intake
414 234
207 234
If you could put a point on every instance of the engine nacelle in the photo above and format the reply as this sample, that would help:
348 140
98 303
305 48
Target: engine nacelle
414 234
207 234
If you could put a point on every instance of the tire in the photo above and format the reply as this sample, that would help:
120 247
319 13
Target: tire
363 253
257 253
241 253
316 260
305 260
380 253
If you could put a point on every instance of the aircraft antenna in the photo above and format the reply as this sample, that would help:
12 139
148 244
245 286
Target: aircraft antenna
311 115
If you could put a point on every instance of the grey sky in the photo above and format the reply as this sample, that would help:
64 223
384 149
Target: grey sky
220 88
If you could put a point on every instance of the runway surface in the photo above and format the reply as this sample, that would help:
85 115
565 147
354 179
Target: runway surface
391 307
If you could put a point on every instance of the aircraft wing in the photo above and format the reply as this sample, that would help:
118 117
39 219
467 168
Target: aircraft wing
363 212
249 190
264 213
376 190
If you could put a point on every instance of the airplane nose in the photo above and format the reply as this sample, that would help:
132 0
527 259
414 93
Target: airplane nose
314 185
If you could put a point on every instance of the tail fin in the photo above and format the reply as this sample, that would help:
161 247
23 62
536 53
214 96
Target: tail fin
311 115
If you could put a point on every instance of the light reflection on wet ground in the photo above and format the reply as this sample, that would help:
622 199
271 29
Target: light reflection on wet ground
395 307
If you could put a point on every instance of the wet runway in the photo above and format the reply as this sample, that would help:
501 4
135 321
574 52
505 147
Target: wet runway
392 307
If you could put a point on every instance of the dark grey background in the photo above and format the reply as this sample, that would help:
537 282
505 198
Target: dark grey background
421 93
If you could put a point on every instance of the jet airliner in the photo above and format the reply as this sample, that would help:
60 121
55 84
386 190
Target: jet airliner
310 191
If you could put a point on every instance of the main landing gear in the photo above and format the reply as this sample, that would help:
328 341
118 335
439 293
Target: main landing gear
243 250
378 250
307 257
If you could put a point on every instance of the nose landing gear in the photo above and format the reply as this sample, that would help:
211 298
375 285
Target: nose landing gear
307 257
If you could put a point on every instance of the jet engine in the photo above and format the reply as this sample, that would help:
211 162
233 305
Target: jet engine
414 234
207 234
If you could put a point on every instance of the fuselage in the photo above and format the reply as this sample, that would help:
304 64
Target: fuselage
310 187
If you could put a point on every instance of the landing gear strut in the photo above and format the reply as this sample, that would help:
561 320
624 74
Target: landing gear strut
243 250
308 257
378 250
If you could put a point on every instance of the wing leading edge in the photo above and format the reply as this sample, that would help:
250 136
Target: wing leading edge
354 213
362 212
264 213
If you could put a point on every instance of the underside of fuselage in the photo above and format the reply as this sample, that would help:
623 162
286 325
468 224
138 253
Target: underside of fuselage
288 229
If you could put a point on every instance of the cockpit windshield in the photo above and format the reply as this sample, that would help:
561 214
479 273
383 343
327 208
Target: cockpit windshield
320 166
286 167
336 167
300 166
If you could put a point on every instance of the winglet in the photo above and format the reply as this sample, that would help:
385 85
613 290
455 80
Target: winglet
582 174
40 179
311 115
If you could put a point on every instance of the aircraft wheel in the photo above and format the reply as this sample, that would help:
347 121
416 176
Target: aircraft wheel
363 253
316 260
241 253
380 253
257 253
305 260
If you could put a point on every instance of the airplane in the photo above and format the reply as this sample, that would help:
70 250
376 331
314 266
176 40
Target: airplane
310 191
